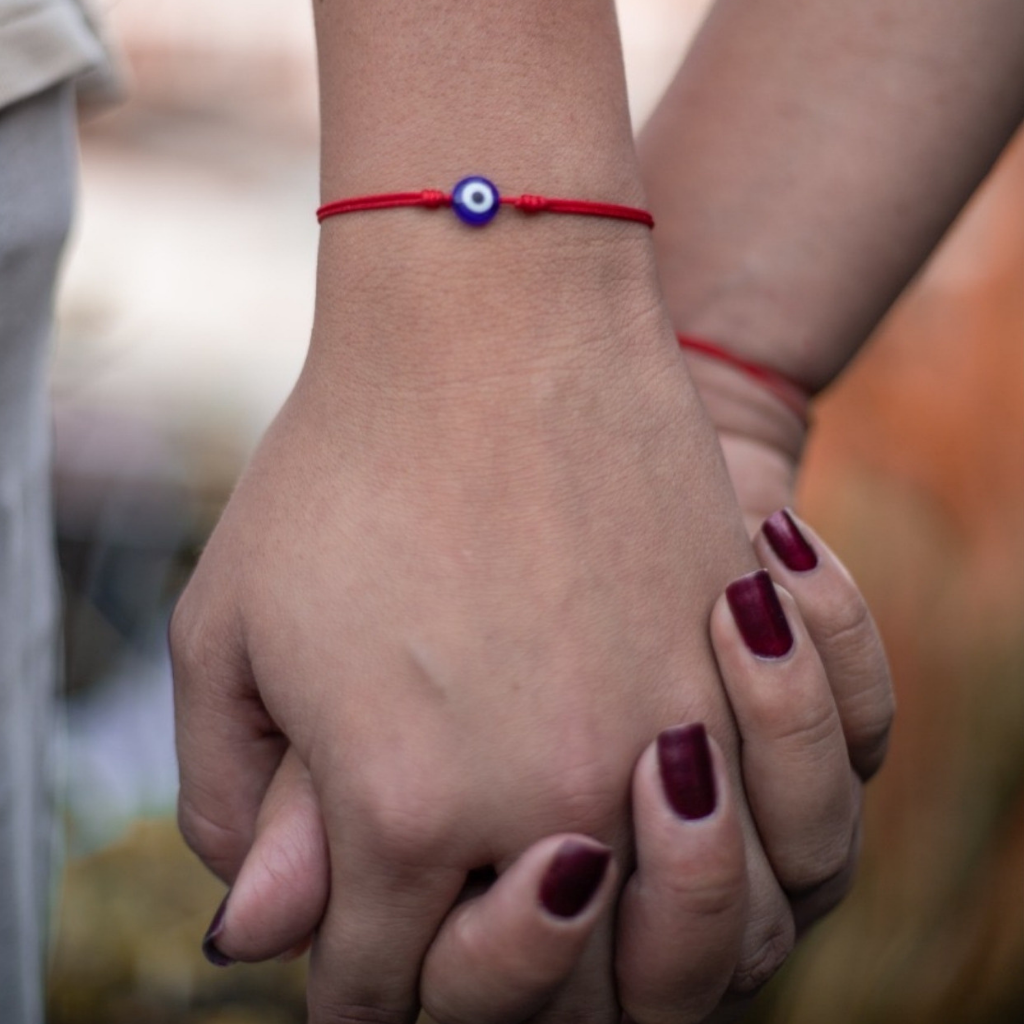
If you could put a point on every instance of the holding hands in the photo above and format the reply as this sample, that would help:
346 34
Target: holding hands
507 948
480 645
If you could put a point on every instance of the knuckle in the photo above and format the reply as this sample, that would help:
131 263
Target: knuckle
204 650
220 845
757 968
713 888
286 864
488 952
818 900
870 750
400 829
867 707
816 866
845 620
583 783
787 715
189 641
439 1008
180 632
582 792
717 896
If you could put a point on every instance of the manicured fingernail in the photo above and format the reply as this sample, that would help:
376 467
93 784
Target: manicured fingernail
759 615
573 877
788 542
686 773
210 950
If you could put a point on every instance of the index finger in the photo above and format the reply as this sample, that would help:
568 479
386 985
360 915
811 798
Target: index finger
841 628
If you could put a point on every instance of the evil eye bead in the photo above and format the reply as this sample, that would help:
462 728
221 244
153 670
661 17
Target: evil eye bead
475 200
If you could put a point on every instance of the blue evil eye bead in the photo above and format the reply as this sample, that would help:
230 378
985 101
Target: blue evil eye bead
475 200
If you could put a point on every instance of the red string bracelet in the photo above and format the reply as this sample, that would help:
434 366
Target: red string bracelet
787 390
476 201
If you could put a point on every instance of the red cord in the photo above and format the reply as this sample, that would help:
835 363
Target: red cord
792 394
787 390
584 207
432 198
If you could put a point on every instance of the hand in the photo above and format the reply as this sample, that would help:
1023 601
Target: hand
504 523
262 614
682 916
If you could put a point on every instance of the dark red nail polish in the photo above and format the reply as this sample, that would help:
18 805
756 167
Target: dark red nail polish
210 950
788 542
573 877
686 773
759 615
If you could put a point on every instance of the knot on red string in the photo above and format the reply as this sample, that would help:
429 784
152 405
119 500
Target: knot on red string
532 204
432 198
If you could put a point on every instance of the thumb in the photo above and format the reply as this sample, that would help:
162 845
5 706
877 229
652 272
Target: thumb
282 887
500 956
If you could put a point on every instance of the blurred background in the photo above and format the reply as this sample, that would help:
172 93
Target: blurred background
184 314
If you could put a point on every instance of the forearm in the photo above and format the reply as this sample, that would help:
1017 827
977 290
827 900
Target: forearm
440 87
530 94
808 157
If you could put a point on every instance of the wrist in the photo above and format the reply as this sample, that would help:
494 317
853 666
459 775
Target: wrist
730 270
414 290
761 436
531 95
743 303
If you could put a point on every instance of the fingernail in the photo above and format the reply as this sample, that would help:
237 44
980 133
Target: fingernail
788 542
759 615
686 774
210 950
573 877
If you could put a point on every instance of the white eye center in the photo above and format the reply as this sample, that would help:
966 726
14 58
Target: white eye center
478 197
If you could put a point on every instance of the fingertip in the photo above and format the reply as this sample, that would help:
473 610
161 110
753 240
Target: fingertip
794 552
681 919
501 955
573 877
756 610
841 628
789 541
686 771
754 604
681 779
283 885
211 949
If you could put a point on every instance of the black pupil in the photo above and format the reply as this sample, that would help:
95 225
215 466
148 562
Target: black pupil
478 197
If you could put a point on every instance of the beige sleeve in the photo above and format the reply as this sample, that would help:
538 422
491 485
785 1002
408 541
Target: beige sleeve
43 42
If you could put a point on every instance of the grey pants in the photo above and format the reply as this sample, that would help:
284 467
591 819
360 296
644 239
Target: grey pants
37 176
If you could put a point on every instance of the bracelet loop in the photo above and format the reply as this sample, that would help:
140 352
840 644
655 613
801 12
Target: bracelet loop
792 394
476 201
